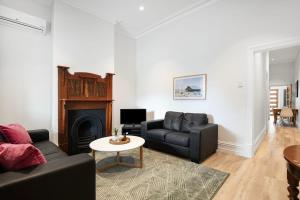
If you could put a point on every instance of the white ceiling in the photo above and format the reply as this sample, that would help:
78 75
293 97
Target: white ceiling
44 2
287 55
127 12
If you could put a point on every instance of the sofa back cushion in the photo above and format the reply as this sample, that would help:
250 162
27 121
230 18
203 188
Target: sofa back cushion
191 120
173 120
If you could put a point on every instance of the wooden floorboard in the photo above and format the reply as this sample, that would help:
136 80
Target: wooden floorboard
261 177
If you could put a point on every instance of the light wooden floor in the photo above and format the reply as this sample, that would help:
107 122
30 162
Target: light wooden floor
261 177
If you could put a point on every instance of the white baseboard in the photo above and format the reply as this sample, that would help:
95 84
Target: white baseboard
245 150
241 150
258 140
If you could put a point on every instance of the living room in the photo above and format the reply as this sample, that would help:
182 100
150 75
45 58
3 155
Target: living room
145 48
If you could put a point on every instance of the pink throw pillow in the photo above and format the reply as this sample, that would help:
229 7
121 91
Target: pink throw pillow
20 156
15 134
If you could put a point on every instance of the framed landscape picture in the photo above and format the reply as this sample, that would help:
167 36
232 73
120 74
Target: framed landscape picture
189 87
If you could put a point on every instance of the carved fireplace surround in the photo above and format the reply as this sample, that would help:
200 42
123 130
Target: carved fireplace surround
84 109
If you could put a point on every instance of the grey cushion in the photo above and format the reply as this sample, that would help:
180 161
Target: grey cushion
158 134
192 120
173 120
50 150
178 138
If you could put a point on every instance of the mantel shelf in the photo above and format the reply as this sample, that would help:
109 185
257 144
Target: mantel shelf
104 100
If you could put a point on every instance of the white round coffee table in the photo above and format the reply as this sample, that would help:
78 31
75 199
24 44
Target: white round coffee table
103 145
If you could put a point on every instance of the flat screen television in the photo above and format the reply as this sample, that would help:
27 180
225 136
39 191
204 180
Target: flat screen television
132 116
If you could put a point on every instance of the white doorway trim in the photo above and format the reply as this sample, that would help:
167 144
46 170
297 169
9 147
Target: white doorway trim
265 47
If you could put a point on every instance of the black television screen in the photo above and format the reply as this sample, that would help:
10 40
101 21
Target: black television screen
132 116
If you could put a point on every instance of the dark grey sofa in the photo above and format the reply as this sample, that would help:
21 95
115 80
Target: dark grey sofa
184 134
62 177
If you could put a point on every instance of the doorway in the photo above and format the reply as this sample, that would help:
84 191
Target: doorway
274 64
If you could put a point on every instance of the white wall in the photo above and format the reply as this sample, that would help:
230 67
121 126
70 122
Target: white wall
81 41
214 40
124 80
261 104
25 71
282 74
28 62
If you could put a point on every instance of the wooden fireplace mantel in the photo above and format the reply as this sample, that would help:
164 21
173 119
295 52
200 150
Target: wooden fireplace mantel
78 91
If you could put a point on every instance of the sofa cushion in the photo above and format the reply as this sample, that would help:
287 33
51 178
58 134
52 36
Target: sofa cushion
157 134
50 150
192 120
19 156
2 138
173 120
15 134
178 138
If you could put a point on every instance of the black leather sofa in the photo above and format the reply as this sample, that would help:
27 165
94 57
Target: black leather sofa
62 177
184 134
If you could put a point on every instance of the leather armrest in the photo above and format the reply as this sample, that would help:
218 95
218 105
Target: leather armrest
71 177
39 135
204 141
153 124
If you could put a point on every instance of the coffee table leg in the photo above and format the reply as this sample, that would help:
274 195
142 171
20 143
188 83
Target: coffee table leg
93 153
141 157
118 157
292 188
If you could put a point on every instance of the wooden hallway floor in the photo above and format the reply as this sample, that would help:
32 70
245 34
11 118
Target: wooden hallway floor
260 177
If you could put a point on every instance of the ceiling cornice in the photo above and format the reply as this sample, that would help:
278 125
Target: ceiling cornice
175 16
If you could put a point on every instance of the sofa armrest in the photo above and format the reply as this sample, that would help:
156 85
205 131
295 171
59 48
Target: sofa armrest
153 124
204 142
39 135
71 177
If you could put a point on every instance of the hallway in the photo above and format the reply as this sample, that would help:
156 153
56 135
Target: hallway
261 177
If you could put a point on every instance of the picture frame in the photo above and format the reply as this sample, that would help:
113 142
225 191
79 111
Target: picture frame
193 87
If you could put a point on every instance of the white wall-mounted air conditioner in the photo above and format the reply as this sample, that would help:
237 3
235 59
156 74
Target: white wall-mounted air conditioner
13 17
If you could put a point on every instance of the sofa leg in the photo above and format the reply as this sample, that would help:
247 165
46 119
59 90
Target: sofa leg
195 160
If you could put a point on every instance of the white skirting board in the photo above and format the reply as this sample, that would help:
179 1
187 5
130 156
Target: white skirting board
245 150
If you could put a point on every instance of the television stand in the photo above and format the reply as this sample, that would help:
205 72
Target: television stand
132 129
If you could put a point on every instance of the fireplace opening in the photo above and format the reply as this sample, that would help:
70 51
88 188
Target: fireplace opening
85 126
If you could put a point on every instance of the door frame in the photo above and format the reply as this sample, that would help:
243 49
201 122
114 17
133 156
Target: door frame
264 47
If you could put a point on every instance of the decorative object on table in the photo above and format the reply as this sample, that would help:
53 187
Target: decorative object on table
116 131
125 138
119 141
164 176
189 87
115 136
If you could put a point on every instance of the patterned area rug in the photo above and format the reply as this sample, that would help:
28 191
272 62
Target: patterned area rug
162 177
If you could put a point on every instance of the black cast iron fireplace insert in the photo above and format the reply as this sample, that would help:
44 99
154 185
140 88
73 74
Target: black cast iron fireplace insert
84 126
